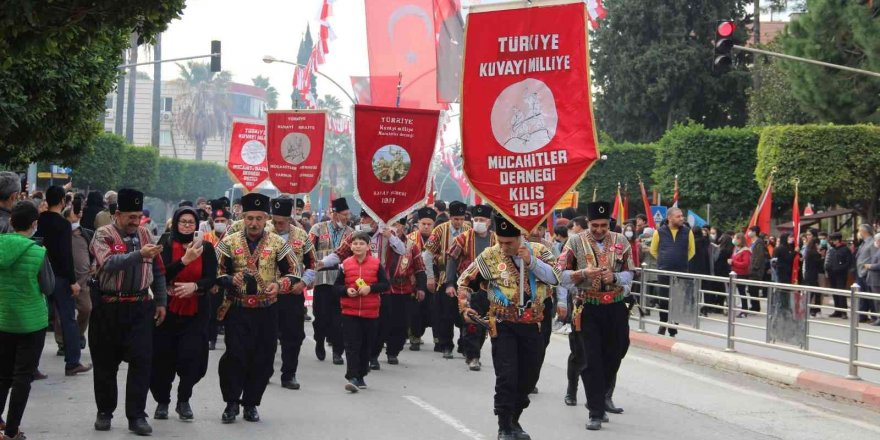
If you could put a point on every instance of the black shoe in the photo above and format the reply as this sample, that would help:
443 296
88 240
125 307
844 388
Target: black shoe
437 348
251 414
102 422
360 383
661 331
447 354
82 343
351 385
571 400
534 390
161 412
140 426
474 364
518 432
320 351
594 424
337 359
212 345
307 318
673 332
392 360
374 364
505 428
290 384
38 375
60 352
605 419
230 413
184 411
609 407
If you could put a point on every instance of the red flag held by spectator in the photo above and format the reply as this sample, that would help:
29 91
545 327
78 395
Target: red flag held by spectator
651 222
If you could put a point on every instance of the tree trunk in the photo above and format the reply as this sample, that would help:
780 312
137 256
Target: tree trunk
756 78
132 89
157 91
200 149
120 98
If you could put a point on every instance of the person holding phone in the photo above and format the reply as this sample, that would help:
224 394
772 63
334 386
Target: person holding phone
515 311
596 267
180 344
123 311
254 266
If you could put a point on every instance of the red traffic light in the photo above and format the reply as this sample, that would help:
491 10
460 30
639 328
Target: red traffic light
725 29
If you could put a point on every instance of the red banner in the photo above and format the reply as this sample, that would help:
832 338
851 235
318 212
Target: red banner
401 44
528 135
247 153
393 148
296 148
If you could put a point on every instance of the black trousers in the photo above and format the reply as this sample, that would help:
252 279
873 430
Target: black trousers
122 332
248 363
516 354
392 325
755 292
291 329
445 318
839 282
473 336
360 336
663 304
575 366
214 301
19 356
328 317
605 340
418 315
180 348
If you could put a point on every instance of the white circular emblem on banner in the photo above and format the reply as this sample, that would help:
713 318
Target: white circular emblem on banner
295 148
524 116
391 163
253 153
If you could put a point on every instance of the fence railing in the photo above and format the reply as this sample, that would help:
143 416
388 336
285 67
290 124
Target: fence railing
691 300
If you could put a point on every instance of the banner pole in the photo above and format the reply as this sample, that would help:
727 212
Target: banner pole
399 85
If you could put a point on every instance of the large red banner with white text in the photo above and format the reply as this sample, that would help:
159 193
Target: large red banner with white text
528 135
393 148
247 153
296 148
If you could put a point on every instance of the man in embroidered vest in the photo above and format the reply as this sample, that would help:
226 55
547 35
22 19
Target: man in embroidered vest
515 312
596 267
418 309
326 237
464 250
123 312
673 247
445 305
291 307
255 266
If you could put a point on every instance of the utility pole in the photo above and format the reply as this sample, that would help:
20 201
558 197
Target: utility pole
157 91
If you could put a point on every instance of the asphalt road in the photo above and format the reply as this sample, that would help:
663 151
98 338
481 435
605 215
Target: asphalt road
427 398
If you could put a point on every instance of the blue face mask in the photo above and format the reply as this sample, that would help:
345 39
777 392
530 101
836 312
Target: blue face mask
823 242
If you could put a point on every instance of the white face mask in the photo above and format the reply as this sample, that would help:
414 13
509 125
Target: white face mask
74 226
362 227
751 234
220 227
628 234
480 227
297 217
712 237
340 225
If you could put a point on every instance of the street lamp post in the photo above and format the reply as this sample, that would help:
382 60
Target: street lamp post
269 59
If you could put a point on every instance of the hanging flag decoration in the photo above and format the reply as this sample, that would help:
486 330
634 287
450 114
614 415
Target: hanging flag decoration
528 135
763 212
393 148
453 163
675 193
401 45
617 211
247 153
647 205
296 148
449 25
596 11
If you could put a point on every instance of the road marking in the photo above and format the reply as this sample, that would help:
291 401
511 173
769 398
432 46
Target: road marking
445 418
753 393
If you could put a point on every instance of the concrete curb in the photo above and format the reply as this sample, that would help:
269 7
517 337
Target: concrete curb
858 390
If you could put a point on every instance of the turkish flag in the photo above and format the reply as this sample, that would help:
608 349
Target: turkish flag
527 121
393 148
401 44
247 153
296 148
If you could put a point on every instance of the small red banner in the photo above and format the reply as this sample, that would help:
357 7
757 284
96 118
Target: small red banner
393 148
296 148
247 153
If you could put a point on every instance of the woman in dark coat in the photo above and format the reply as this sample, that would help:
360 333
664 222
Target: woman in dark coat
722 269
813 263
784 256
94 205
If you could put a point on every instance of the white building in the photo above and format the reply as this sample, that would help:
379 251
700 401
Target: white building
248 102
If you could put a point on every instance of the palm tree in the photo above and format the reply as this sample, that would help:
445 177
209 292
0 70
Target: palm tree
271 92
203 108
338 151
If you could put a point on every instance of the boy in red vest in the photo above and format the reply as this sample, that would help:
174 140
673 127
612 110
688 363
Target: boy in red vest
358 284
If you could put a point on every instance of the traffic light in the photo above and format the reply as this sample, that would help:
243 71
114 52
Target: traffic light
723 43
215 56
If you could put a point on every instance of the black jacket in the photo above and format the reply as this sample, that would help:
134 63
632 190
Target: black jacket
57 235
838 261
812 265
784 259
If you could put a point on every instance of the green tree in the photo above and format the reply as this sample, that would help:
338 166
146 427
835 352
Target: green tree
173 183
713 167
102 168
625 163
57 63
845 32
271 92
140 169
203 109
774 102
834 164
652 68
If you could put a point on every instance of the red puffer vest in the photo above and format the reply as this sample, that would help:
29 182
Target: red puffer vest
361 306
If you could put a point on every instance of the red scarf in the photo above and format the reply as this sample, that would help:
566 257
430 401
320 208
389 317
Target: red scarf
190 274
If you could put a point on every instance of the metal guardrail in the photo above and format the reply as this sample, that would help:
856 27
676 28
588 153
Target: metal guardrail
786 308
